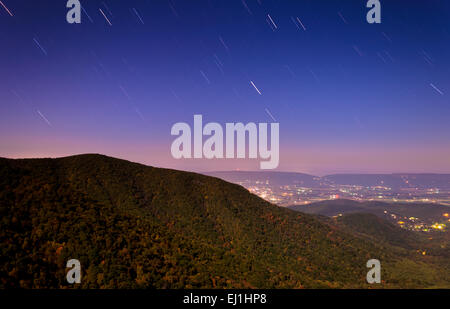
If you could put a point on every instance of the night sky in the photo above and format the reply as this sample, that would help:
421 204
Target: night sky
349 96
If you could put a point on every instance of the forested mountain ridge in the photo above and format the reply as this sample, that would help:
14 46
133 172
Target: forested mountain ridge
426 212
135 226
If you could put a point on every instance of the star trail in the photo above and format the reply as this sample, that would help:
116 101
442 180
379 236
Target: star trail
349 96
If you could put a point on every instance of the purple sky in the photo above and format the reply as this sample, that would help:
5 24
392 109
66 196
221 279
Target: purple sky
349 96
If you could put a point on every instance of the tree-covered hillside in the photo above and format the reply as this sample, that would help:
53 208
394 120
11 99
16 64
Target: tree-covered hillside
134 226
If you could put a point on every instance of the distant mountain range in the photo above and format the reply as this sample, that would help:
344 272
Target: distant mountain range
276 178
135 226
394 181
395 212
